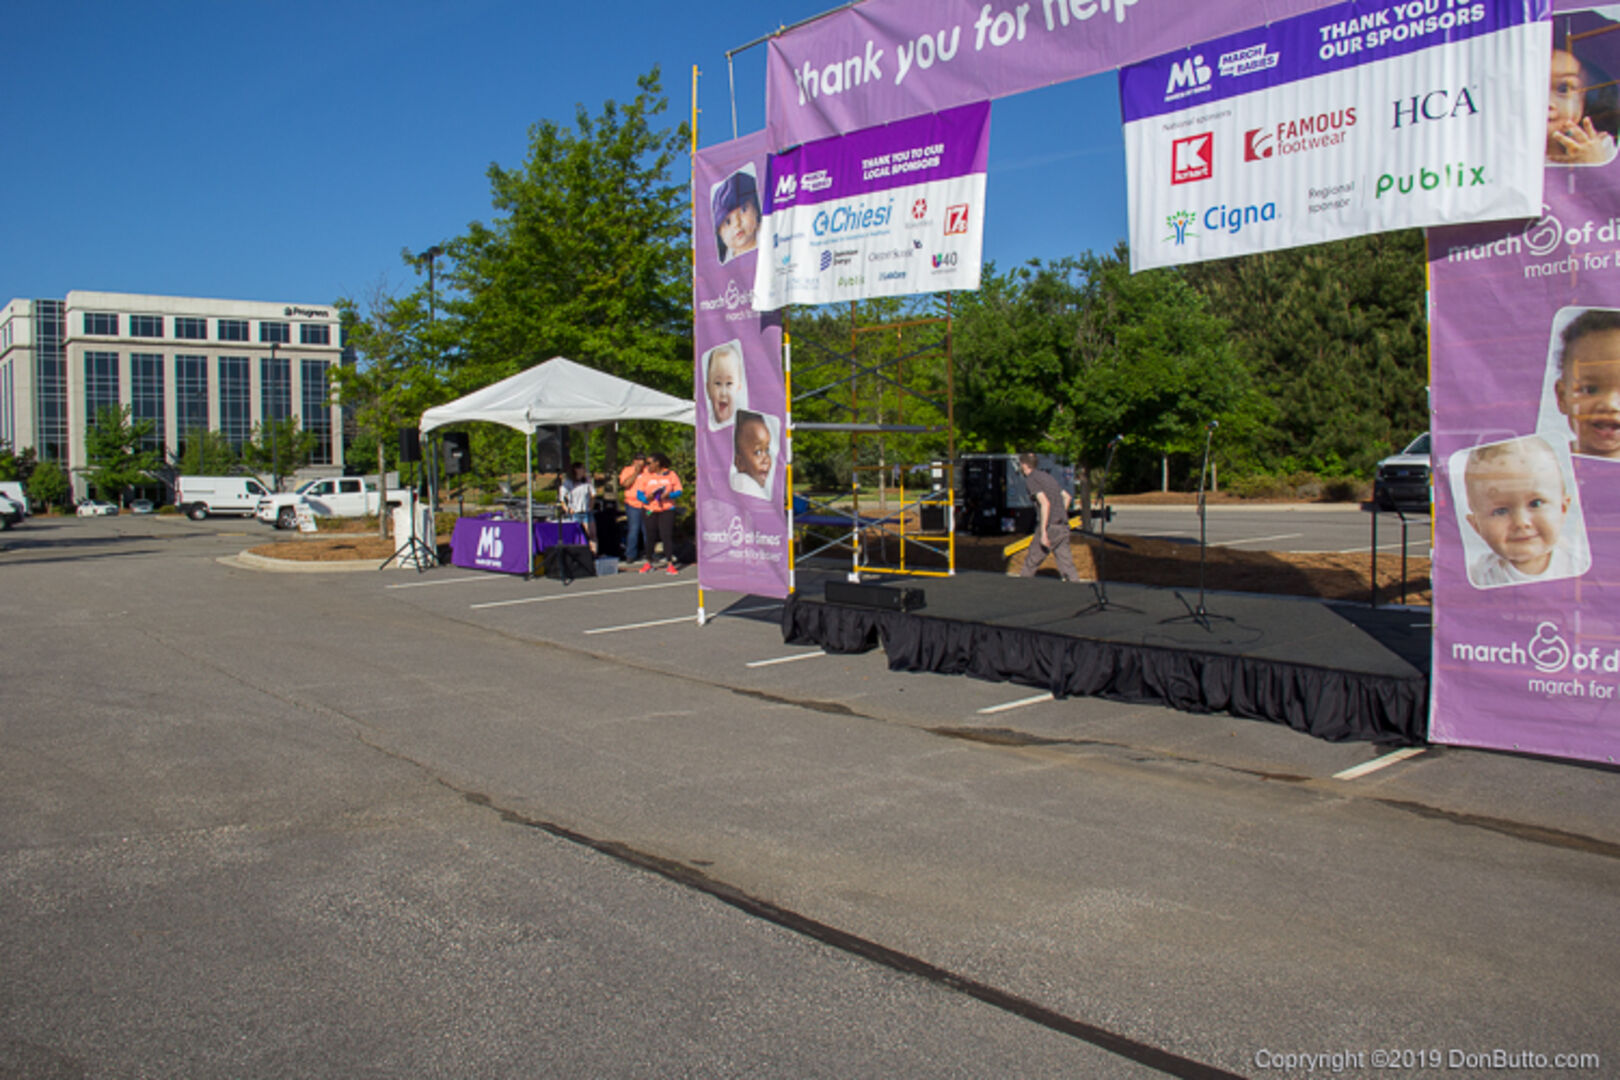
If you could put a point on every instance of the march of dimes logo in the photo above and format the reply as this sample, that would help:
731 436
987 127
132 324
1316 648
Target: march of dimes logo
1548 653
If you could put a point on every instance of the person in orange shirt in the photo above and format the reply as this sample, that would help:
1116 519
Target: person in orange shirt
656 491
632 509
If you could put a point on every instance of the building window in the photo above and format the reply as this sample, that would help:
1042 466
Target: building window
100 384
146 326
275 388
235 400
273 331
190 398
314 334
50 391
190 329
97 322
318 410
146 398
232 329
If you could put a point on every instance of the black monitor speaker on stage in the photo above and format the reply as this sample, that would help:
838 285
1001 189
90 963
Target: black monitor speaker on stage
457 453
879 597
410 445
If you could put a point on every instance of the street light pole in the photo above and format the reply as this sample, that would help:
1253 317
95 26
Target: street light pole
275 458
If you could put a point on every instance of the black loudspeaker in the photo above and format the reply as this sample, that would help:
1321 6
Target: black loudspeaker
410 445
984 483
457 453
569 561
881 597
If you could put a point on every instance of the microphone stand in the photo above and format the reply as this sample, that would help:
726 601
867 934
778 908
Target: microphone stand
1200 614
1100 587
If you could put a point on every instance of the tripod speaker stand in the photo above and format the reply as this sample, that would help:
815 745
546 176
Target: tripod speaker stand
1200 614
1100 587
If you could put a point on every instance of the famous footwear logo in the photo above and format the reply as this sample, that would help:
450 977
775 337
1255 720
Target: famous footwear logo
1192 158
1300 135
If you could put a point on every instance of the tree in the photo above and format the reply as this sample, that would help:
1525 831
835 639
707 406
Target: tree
206 453
48 486
116 452
278 447
588 256
1337 338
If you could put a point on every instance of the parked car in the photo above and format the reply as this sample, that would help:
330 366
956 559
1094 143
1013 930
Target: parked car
13 490
142 506
11 513
348 496
1403 478
199 496
94 508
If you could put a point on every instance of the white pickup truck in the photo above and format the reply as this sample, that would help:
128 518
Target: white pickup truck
343 496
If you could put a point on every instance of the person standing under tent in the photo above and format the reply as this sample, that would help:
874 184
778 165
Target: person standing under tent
633 512
656 491
1052 524
579 498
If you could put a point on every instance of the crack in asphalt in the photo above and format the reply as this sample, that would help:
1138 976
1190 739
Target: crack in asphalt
692 878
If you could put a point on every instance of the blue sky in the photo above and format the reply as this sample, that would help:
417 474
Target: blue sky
290 151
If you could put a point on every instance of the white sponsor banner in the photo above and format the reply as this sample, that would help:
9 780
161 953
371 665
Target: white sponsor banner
889 211
1354 119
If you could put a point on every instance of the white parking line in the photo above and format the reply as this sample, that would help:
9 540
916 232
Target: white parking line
785 659
1395 546
577 595
1019 704
1258 539
446 581
1357 771
641 625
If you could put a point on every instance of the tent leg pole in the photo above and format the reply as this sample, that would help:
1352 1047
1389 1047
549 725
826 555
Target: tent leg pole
528 487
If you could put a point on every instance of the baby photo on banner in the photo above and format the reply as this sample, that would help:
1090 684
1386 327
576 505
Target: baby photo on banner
1525 396
742 541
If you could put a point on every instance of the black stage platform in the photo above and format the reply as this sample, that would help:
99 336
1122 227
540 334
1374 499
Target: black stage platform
1336 671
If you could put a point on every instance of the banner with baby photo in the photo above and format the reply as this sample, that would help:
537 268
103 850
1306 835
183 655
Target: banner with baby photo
1525 338
742 529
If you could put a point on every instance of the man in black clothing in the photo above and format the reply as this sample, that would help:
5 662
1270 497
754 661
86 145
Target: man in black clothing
1052 524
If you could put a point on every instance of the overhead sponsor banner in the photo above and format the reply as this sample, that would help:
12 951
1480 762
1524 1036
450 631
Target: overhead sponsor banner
885 60
1357 118
891 211
1525 332
742 541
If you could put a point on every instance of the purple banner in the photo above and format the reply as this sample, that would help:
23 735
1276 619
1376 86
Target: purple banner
500 544
742 541
1525 331
885 60
1337 38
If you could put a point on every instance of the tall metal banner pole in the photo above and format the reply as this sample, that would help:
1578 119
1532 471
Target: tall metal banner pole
696 483
787 448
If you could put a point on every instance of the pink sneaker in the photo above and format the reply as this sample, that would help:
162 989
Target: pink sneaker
646 566
673 569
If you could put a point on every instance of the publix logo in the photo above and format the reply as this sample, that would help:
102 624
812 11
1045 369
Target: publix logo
1457 175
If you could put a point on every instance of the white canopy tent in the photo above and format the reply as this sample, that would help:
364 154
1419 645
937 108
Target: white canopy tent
556 393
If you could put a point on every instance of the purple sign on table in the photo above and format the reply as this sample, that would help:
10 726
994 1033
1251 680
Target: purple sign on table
501 544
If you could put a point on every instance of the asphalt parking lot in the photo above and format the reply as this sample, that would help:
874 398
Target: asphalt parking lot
464 824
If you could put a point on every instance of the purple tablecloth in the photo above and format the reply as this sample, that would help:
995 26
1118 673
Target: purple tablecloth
486 543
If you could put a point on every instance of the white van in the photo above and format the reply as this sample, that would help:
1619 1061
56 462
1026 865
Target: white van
13 490
199 496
